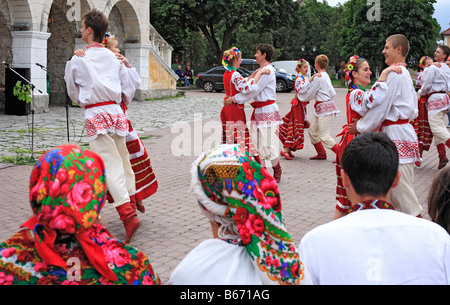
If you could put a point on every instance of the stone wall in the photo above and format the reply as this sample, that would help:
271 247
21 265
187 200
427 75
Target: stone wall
5 47
60 48
47 32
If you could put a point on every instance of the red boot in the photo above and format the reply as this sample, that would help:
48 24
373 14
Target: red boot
442 155
137 204
276 170
335 148
130 220
321 153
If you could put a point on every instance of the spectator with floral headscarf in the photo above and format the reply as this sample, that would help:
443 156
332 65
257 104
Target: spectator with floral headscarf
251 244
62 244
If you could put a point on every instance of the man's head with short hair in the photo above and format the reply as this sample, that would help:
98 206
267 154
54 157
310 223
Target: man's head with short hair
371 162
98 22
267 49
321 61
399 40
445 50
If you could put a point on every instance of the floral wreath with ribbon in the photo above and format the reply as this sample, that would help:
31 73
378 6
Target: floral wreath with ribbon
226 59
105 39
349 68
422 62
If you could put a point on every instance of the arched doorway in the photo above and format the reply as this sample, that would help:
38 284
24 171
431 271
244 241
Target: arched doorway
5 46
60 47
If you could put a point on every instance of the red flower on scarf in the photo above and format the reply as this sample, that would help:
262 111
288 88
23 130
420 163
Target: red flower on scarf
294 269
255 225
248 170
49 280
241 216
245 234
270 189
80 195
62 221
115 253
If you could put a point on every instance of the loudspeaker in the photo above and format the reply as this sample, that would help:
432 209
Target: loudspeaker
12 104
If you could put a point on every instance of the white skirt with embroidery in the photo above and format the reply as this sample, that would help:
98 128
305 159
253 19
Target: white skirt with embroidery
108 119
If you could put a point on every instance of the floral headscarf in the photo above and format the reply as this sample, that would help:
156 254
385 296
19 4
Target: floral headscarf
67 192
229 183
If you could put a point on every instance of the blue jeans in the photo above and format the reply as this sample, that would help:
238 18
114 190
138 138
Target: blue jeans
186 81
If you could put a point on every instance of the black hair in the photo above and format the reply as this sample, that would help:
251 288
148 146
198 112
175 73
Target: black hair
267 49
371 161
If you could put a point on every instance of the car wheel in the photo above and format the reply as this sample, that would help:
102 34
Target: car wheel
208 86
281 85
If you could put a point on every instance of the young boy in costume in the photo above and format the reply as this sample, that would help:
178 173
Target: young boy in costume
99 83
394 114
325 109
266 116
435 88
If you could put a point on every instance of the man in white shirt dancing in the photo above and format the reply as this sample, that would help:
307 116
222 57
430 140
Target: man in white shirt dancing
325 109
394 114
435 86
266 117
99 83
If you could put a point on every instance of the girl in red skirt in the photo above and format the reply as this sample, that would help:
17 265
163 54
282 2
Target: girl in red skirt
292 131
422 127
358 102
234 123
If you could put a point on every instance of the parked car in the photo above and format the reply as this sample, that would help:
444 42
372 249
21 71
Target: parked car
213 79
285 80
288 65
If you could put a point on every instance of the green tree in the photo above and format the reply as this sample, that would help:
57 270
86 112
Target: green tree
331 45
412 18
218 20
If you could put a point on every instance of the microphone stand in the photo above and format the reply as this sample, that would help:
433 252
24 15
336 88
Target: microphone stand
65 91
32 108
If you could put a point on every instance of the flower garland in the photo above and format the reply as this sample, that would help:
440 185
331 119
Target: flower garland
350 67
226 59
105 39
422 62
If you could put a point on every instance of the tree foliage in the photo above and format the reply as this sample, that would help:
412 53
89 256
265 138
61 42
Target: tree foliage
218 20
367 38
200 30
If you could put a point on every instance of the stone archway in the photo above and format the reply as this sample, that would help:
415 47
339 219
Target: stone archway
123 13
60 47
5 46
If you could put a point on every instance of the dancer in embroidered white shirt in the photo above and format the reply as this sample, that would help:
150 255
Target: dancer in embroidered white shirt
435 88
99 83
325 109
393 115
266 116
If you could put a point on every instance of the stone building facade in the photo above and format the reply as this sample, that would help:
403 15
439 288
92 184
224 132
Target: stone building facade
48 31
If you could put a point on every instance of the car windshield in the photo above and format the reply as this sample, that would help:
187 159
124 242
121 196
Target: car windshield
245 71
280 70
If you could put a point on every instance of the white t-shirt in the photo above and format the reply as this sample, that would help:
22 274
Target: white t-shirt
216 262
377 247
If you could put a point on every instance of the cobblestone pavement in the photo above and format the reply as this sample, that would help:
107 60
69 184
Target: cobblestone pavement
172 223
